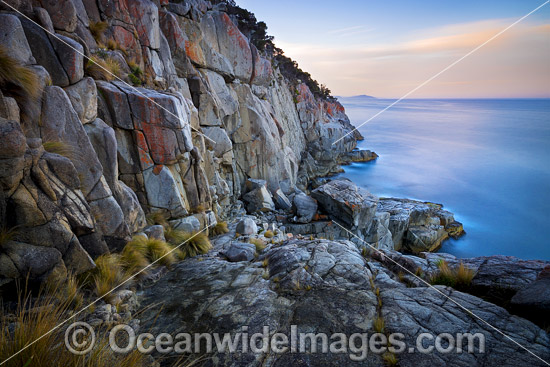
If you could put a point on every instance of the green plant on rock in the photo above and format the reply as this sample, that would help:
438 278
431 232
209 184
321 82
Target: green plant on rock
269 234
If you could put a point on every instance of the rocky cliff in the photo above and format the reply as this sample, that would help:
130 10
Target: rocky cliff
193 112
116 115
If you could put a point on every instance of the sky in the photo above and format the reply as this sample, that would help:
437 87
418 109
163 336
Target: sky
387 48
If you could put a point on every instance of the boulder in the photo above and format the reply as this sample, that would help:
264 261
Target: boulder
12 150
12 37
281 201
70 53
59 122
239 251
117 112
156 232
188 224
145 16
83 97
252 184
247 226
221 142
62 12
36 261
306 208
258 200
347 203
44 53
162 190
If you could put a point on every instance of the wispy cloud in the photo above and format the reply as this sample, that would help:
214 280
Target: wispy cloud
514 63
350 31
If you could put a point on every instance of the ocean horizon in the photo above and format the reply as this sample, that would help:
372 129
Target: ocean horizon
486 160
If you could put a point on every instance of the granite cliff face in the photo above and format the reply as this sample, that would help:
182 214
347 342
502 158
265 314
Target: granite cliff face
213 112
201 126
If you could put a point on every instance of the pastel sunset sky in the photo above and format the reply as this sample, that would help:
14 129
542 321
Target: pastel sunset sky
387 48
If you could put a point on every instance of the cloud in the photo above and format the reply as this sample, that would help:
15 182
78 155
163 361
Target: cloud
350 31
514 64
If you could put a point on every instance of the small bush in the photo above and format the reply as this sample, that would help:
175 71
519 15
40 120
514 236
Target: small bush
135 80
219 228
260 245
269 234
98 30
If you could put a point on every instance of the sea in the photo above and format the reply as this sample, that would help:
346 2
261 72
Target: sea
485 160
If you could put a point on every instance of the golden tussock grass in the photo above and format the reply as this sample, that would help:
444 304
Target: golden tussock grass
15 75
269 234
103 69
459 277
219 228
260 244
59 147
98 30
32 322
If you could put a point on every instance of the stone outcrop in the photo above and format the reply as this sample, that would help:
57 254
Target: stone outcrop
328 287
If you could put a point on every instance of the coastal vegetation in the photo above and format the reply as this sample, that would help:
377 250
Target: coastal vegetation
459 277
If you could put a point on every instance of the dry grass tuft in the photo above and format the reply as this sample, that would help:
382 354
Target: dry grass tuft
103 69
378 324
107 275
98 30
158 218
31 323
13 75
192 244
390 359
219 228
269 234
459 278
59 147
7 235
260 244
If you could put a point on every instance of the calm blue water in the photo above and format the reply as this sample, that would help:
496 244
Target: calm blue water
487 161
